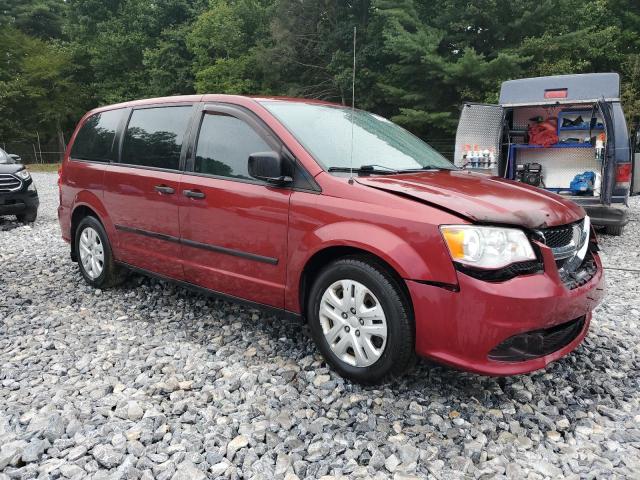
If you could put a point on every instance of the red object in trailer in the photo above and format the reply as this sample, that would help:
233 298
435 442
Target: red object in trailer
381 245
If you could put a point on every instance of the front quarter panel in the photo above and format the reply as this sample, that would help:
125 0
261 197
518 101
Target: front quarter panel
403 233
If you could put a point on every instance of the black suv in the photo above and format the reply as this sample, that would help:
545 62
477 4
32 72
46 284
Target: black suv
18 194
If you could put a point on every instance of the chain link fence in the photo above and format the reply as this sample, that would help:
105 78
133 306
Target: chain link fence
33 152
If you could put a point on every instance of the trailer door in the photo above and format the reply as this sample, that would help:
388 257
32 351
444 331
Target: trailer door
635 152
480 127
609 162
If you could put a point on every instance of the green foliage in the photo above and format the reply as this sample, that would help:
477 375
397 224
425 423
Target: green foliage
36 85
416 61
223 41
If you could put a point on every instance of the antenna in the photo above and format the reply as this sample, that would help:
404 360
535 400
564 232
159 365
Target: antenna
353 101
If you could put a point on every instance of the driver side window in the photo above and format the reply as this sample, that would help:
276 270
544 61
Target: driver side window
224 145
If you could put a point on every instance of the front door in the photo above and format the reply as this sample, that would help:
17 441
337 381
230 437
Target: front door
233 228
143 189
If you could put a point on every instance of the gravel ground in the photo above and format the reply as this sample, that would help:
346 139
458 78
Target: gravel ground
151 381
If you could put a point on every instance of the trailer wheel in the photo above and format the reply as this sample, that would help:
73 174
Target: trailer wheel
615 230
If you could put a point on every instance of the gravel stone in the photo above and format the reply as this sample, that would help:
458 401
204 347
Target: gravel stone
236 444
149 380
107 456
33 451
76 453
188 471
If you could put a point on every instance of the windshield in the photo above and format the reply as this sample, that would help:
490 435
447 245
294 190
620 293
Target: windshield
325 131
4 158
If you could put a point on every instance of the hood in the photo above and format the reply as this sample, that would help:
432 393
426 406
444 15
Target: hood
10 167
482 199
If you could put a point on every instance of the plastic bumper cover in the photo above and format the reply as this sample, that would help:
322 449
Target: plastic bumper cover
462 328
16 203
603 215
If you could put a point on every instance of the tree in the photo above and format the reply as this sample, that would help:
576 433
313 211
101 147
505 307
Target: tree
224 41
37 91
427 75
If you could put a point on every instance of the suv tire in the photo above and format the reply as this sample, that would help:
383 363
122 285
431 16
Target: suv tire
345 325
95 258
615 230
28 217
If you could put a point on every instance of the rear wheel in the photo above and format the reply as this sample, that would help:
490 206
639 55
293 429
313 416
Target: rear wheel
361 321
95 258
615 230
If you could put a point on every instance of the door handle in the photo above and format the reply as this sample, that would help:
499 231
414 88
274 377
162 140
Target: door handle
164 189
193 194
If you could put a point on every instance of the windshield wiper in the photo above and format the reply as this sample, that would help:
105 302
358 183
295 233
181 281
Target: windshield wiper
426 167
365 169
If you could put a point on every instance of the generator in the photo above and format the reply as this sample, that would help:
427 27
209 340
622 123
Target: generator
530 173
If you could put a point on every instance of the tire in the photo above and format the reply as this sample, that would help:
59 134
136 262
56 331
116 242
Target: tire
338 338
104 273
28 217
615 230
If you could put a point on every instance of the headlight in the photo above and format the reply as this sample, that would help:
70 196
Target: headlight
23 174
487 247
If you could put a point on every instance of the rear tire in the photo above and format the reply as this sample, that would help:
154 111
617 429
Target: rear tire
28 217
366 334
615 230
95 258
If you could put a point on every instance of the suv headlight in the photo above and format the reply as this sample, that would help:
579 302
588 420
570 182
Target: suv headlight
487 247
23 174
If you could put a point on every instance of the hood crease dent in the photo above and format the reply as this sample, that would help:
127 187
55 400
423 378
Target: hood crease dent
480 198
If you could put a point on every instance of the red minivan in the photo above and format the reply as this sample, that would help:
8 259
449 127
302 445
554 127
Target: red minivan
339 218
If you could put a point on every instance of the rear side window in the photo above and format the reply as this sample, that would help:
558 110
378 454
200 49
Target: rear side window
96 139
224 146
154 137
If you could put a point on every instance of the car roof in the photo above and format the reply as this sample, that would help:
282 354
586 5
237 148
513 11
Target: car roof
209 97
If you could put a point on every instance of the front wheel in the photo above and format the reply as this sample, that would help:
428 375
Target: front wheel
361 321
95 258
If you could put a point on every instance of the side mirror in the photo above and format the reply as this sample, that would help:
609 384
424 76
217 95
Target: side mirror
15 158
270 167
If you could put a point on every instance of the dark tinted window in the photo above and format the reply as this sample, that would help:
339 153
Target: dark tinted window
154 137
224 146
96 138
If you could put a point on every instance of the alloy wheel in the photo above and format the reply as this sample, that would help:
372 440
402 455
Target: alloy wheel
91 253
353 323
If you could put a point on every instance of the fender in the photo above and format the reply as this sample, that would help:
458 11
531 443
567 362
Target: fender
383 243
90 200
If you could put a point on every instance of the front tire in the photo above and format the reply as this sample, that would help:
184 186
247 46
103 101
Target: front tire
28 217
95 258
361 320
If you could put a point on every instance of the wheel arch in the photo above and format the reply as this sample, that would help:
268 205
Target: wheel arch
422 260
330 254
87 204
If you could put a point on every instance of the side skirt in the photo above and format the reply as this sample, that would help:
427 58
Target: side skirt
280 312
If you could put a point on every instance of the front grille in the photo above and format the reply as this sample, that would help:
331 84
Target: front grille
9 183
558 237
537 343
